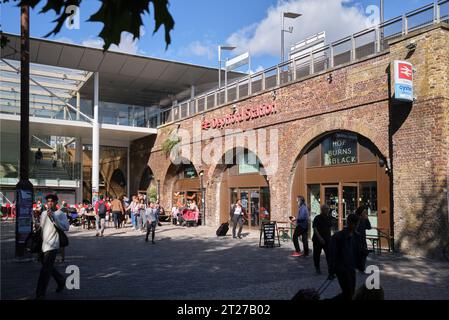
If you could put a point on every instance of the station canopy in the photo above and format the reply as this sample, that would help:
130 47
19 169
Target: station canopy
124 78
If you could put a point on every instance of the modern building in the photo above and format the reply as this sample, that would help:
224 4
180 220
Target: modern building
328 126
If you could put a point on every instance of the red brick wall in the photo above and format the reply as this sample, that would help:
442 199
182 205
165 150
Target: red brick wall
356 100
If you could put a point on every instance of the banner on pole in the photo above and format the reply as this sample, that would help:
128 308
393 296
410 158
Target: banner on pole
238 61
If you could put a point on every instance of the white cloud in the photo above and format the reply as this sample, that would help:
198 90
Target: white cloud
332 16
65 40
199 49
127 43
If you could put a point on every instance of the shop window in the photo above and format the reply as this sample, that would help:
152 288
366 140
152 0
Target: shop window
368 198
365 153
189 171
248 163
313 156
339 149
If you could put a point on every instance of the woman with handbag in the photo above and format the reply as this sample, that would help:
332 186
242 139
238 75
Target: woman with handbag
53 223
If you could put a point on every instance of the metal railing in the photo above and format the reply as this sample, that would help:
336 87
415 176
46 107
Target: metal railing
347 50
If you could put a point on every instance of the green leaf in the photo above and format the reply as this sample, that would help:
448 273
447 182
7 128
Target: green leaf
116 15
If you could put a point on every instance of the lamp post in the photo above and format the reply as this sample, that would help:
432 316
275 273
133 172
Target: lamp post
203 202
291 15
219 61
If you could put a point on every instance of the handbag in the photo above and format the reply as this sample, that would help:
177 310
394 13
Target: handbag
63 239
33 243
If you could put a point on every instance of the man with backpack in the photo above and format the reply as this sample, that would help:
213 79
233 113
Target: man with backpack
52 222
101 208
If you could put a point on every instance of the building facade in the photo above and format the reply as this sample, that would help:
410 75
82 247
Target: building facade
335 137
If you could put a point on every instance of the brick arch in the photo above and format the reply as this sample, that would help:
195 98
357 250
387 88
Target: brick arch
325 127
214 184
335 124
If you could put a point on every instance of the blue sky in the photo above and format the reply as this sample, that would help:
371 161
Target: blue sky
202 25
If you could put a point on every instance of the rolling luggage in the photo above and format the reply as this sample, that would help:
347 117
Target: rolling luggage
223 229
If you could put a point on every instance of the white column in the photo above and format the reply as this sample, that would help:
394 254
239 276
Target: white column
128 173
96 138
79 160
78 105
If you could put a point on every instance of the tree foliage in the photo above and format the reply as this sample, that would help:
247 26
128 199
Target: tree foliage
116 15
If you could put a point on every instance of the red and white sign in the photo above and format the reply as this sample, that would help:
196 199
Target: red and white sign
405 71
403 81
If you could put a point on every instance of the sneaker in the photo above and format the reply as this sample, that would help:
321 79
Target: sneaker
97 234
240 237
296 254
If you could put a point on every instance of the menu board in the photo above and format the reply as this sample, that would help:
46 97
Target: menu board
269 233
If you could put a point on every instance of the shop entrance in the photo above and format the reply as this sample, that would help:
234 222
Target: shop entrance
342 200
256 203
344 170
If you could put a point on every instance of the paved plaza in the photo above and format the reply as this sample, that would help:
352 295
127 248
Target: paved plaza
192 263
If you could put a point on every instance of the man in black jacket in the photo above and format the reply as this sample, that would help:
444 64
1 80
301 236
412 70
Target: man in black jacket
346 253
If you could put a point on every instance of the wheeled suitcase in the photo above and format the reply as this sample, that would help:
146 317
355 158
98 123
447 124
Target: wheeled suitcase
223 229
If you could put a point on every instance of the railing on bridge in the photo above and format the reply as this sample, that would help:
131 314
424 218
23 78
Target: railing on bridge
347 50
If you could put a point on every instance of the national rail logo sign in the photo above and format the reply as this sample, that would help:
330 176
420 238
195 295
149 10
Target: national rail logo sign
403 81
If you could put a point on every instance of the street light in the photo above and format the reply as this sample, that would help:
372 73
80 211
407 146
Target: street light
291 15
219 61
203 215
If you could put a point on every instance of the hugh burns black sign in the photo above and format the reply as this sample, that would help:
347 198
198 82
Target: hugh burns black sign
340 148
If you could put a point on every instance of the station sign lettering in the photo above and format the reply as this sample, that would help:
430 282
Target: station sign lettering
247 114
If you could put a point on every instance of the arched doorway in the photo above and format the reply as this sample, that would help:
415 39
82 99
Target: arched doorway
117 183
343 170
243 179
182 184
146 179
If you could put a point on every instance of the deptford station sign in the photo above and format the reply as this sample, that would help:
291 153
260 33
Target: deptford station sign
246 114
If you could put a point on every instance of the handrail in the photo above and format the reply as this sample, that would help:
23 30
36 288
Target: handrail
310 59
51 93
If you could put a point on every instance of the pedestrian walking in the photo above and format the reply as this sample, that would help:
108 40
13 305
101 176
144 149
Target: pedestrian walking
38 156
54 159
237 216
141 221
117 212
101 208
51 220
322 225
364 224
152 218
346 251
301 228
134 210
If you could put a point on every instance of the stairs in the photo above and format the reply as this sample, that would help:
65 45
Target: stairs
45 170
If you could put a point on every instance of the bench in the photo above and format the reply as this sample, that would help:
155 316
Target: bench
285 230
375 240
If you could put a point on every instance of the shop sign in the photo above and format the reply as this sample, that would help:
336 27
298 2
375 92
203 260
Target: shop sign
247 114
340 149
269 233
403 81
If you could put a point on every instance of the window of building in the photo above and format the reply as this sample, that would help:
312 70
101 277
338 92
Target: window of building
339 148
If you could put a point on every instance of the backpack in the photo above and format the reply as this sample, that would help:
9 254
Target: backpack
102 210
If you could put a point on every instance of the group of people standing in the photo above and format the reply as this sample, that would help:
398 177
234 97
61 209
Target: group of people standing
345 251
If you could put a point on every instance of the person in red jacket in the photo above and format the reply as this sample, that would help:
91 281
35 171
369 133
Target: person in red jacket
101 208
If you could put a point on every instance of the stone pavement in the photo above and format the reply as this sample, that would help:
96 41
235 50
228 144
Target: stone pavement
192 263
